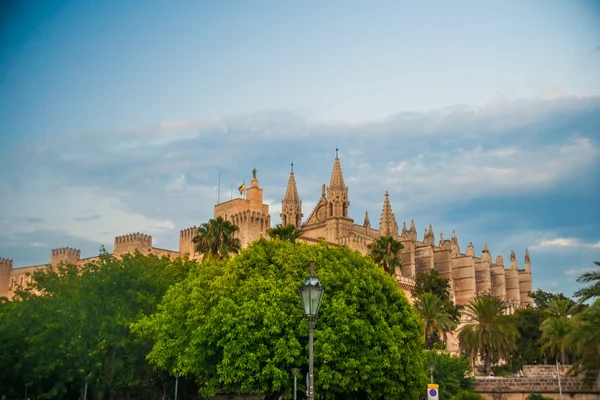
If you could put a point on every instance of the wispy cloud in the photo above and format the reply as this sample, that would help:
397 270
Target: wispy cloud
579 271
565 242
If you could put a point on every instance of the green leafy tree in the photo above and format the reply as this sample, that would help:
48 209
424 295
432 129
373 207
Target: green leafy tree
584 338
72 326
592 290
537 396
237 326
216 239
436 320
450 371
385 251
542 299
528 350
487 333
288 232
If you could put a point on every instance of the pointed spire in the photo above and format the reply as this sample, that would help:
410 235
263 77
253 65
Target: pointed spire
291 192
485 248
485 254
404 231
441 244
337 178
430 231
425 235
291 206
367 223
387 223
412 226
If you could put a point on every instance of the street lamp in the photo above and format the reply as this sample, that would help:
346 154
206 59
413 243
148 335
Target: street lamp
295 372
431 368
311 292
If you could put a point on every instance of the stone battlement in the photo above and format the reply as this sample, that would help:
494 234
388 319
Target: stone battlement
6 263
66 251
188 233
133 237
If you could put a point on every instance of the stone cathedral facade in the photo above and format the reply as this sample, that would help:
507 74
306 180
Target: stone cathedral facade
470 275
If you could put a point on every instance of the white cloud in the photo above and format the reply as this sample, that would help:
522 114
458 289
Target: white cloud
565 242
579 271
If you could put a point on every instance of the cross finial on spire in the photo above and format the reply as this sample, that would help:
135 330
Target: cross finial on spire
292 165
336 152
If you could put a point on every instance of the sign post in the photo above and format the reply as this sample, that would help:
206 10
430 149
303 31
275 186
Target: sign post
433 391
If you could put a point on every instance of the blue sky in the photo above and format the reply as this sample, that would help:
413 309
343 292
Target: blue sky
476 116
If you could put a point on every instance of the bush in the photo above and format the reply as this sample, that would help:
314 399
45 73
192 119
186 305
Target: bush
450 372
467 395
537 396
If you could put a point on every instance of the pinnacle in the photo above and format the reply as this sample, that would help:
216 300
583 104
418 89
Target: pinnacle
367 223
485 248
291 192
337 179
387 223
412 226
430 231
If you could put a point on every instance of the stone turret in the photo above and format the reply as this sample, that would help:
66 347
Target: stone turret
525 283
65 255
6 267
513 291
513 260
429 237
337 193
471 249
485 254
291 206
454 244
498 278
387 224
130 243
186 244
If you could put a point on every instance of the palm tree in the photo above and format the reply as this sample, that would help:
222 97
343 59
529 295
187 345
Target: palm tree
584 338
215 239
554 336
557 325
385 251
431 309
487 332
288 232
593 290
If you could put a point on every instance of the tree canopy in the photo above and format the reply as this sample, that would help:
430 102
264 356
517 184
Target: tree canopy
237 326
385 251
72 325
592 290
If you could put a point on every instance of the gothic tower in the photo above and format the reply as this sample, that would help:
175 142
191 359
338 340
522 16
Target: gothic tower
337 192
291 206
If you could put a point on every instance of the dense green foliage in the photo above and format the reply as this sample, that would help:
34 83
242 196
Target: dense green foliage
72 325
288 232
238 326
467 395
216 239
450 372
528 350
537 396
385 251
487 333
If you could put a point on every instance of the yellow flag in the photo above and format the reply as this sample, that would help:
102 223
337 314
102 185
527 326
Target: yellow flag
241 188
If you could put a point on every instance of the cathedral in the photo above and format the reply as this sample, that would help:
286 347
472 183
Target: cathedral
329 221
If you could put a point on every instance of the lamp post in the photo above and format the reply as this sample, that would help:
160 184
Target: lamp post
431 368
295 373
311 292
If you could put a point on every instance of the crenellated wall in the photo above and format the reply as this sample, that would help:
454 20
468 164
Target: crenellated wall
132 242
65 255
186 244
